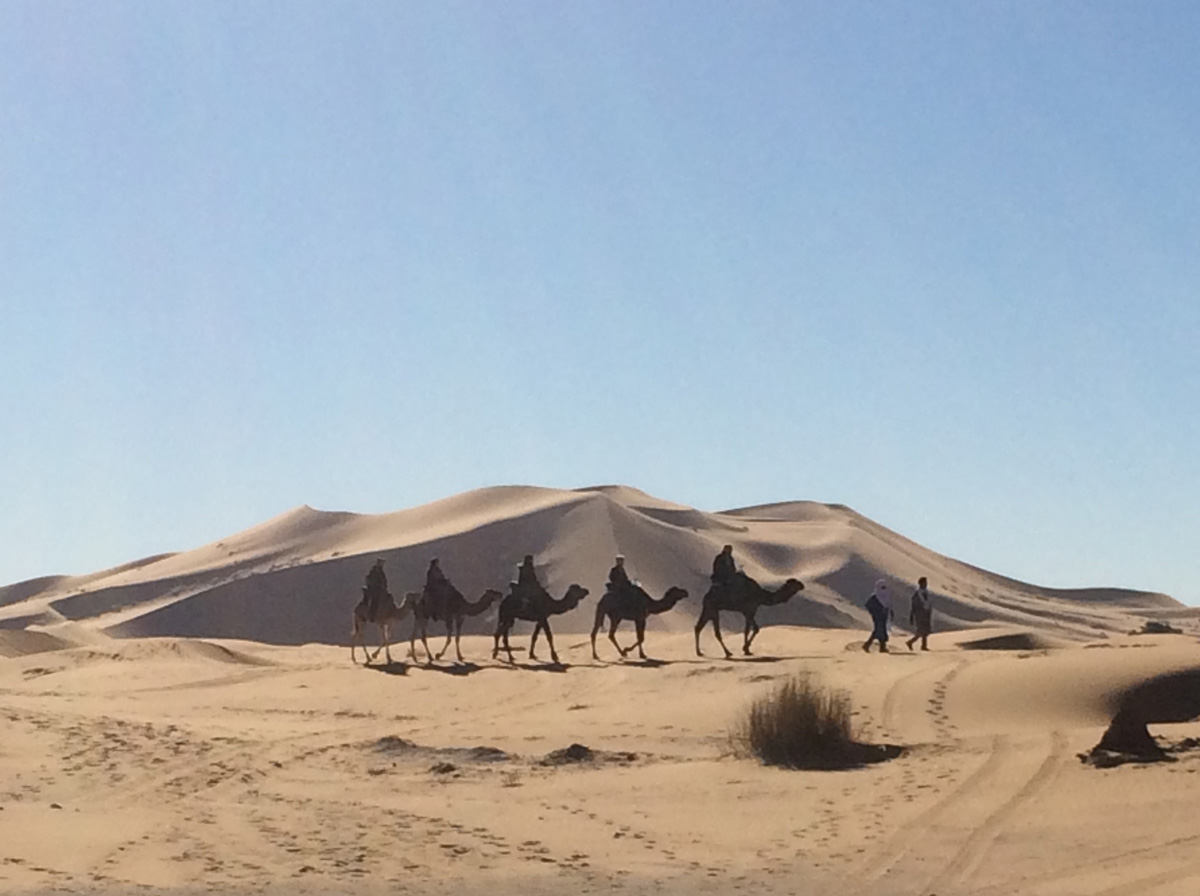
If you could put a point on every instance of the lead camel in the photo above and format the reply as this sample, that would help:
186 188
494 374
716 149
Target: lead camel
741 595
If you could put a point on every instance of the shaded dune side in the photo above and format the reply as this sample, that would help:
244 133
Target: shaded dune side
25 643
49 586
313 602
12 594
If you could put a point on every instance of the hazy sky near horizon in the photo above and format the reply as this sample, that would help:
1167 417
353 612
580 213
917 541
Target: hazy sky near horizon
938 261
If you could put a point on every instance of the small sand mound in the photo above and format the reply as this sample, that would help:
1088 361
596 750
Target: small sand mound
1014 641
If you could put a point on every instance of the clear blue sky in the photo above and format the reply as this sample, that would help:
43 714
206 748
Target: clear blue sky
938 261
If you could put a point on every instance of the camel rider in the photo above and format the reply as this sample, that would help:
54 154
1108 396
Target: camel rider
724 569
376 588
527 584
618 578
526 574
435 579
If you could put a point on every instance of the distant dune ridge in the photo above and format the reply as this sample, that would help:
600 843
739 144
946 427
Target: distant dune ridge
294 579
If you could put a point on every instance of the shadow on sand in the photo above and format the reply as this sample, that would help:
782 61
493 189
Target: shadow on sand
534 666
458 669
392 668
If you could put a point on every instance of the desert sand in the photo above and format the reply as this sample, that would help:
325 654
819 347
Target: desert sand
173 725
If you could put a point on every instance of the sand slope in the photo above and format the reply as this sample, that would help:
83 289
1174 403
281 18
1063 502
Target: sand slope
294 579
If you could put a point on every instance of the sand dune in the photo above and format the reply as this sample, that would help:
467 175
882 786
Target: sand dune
294 578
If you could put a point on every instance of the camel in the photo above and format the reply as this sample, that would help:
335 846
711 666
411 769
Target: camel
745 596
448 605
387 614
536 608
633 603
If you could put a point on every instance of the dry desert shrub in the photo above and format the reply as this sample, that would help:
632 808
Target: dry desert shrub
800 724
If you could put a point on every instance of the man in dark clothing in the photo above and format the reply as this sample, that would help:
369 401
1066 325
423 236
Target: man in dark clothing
920 615
434 577
617 577
724 569
527 585
527 575
375 589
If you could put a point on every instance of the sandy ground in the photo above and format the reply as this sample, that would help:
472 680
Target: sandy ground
230 766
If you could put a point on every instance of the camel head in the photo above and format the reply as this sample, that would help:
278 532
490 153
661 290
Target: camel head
575 594
674 595
786 590
490 597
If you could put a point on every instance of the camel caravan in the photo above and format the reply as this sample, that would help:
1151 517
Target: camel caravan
624 600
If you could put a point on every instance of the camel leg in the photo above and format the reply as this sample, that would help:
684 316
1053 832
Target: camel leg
425 641
449 636
748 634
507 644
700 623
614 623
537 627
383 645
458 623
355 635
751 633
382 641
716 621
387 642
502 629
640 624
550 641
496 638
595 628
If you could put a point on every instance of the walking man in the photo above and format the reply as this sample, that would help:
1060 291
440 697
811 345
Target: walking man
920 617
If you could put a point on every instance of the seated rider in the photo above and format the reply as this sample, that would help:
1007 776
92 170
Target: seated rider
527 584
376 588
724 569
435 579
618 578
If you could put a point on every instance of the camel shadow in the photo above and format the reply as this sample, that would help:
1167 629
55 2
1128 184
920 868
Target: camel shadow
457 669
395 667
648 663
536 667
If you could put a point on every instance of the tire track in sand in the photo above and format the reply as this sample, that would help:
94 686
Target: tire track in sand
971 854
901 843
1023 886
935 718
1146 884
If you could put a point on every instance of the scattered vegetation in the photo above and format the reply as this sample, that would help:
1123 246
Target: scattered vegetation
800 724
